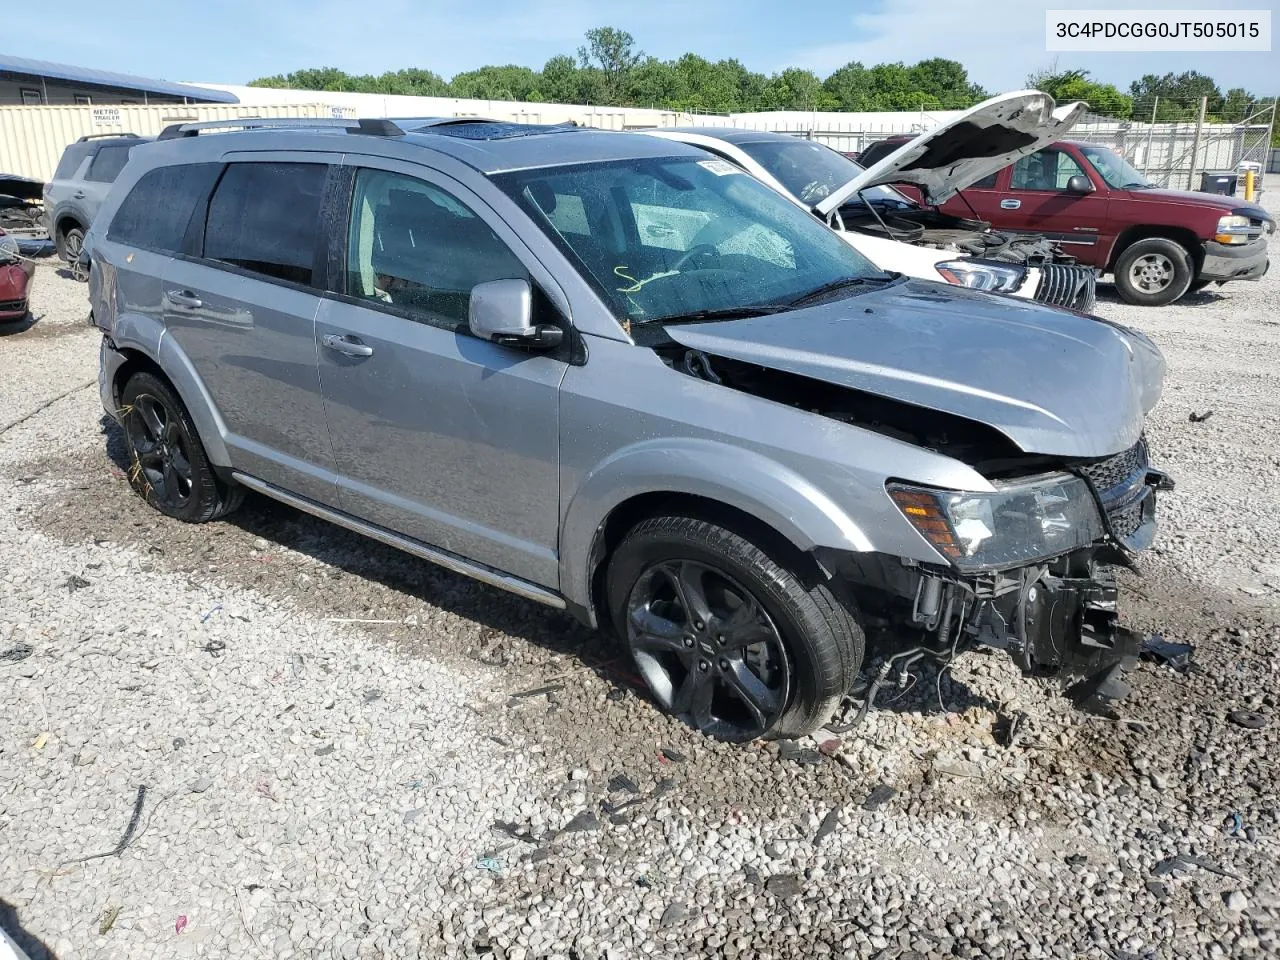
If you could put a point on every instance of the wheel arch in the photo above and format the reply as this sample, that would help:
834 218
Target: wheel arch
743 491
1184 237
168 362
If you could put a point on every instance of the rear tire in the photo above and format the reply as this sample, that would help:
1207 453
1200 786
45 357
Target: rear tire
776 652
71 245
168 466
1153 272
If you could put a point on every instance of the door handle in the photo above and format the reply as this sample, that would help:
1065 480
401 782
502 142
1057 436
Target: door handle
348 346
183 298
78 195
1010 204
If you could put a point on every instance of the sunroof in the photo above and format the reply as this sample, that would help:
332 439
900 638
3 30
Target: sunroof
495 130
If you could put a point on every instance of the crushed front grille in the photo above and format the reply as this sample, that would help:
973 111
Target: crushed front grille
1123 494
7 305
1067 285
1114 474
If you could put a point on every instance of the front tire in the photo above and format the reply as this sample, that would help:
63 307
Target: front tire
72 244
168 466
735 643
1153 272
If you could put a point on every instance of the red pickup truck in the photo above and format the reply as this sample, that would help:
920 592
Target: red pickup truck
1158 243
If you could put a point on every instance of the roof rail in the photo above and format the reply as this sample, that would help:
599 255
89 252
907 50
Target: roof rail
373 126
101 136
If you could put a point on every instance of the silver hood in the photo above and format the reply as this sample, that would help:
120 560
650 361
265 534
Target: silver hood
976 144
1053 382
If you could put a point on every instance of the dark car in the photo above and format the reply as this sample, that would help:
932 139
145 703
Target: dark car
1158 243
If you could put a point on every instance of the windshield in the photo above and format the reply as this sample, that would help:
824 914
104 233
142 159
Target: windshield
811 171
666 238
1115 169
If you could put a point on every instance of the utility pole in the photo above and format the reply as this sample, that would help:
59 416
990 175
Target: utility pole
1195 144
1146 160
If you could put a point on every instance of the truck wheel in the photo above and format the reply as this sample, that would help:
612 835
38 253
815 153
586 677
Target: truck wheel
1153 272
167 464
731 641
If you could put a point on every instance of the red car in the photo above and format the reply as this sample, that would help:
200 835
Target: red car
1158 243
15 279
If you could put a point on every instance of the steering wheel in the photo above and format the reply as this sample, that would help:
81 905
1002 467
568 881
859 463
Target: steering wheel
697 250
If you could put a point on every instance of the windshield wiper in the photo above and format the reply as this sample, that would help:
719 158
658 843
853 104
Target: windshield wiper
1138 186
725 313
826 288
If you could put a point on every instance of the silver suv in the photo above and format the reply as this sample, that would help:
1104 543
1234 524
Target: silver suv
615 375
79 186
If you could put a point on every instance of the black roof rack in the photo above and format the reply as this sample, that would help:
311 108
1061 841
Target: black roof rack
102 136
375 126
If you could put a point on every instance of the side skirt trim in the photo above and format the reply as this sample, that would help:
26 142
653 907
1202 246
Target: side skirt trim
443 558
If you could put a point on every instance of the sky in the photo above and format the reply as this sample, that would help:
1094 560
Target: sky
234 41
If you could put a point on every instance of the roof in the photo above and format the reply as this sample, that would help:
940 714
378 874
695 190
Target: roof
105 78
549 147
732 134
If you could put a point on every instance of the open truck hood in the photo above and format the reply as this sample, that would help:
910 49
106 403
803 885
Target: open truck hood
1053 382
976 144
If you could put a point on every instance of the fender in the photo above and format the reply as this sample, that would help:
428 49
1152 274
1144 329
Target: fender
147 335
748 481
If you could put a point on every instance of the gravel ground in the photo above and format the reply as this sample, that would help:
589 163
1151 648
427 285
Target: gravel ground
269 738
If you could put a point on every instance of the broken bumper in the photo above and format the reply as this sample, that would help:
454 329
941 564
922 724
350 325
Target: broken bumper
1228 262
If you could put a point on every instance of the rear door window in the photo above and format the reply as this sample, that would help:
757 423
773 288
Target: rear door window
107 164
155 214
264 218
70 162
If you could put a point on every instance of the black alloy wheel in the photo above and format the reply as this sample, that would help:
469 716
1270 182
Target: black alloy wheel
708 650
161 458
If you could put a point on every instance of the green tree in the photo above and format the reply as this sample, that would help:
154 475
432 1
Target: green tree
1068 85
612 52
560 81
509 82
1179 95
947 82
795 89
850 87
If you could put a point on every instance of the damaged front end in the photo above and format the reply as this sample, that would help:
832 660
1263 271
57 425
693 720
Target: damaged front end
1030 564
1054 612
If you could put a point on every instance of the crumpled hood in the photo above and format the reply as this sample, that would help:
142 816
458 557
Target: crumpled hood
1054 382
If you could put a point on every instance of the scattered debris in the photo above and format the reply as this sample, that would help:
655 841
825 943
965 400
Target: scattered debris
878 797
107 920
675 756
515 832
1007 729
1076 860
784 885
543 691
180 924
490 864
1249 719
40 741
1200 417
957 768
791 750
75 582
214 609
828 826
1175 655
16 653
413 813
326 750
1182 863
752 875
201 784
372 694
582 823
621 783
1157 889
674 913
215 647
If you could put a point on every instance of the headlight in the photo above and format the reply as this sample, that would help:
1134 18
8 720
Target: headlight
1018 523
1236 229
983 275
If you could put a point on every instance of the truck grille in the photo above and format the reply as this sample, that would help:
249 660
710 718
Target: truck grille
1067 285
8 306
1122 492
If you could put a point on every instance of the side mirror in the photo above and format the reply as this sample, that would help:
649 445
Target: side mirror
1079 184
502 311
